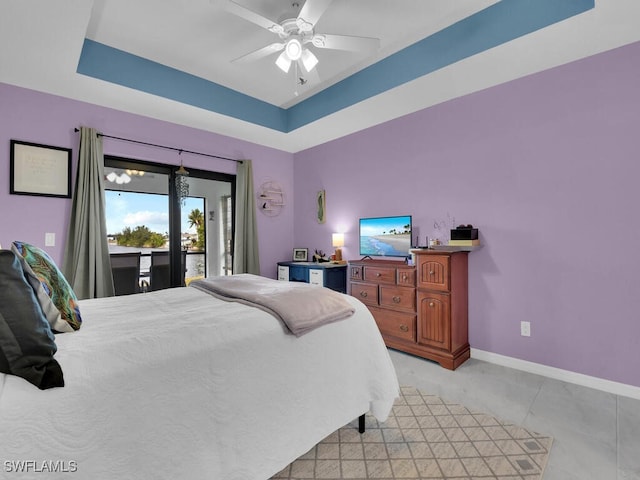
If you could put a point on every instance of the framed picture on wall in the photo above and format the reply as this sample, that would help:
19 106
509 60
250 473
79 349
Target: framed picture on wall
36 169
300 254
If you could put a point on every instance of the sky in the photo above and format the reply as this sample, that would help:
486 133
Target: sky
129 209
375 226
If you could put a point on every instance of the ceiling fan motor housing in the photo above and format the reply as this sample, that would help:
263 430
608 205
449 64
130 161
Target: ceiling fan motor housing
293 26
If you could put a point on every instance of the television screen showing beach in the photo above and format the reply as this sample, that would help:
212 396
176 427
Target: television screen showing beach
385 236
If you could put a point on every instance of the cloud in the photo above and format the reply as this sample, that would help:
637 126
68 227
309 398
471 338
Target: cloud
147 218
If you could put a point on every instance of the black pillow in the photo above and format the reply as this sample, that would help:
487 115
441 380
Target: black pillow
27 344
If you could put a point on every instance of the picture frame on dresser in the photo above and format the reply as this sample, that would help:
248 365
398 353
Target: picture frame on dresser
41 170
300 254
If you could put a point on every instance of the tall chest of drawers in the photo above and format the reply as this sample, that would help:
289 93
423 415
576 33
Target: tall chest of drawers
420 310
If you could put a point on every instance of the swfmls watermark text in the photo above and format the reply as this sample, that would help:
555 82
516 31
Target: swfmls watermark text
40 466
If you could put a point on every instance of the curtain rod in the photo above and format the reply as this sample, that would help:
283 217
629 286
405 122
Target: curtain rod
179 150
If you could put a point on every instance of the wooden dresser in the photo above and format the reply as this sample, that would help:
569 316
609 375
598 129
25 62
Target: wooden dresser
420 310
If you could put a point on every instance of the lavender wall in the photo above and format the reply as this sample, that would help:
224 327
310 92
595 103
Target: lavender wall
547 167
41 118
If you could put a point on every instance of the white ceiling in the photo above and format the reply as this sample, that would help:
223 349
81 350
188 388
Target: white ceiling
42 42
202 37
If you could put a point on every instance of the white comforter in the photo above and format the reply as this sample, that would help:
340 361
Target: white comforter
179 384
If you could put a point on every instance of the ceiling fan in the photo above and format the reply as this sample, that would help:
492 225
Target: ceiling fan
297 34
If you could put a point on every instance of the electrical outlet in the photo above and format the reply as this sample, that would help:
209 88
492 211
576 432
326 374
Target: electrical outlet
525 329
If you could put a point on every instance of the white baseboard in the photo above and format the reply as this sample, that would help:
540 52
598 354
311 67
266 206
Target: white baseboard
558 374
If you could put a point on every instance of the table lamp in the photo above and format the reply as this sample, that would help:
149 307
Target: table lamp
337 240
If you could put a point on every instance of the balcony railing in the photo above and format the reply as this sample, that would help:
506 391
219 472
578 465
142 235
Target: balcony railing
194 263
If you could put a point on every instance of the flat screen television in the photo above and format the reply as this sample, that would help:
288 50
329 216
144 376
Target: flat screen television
385 236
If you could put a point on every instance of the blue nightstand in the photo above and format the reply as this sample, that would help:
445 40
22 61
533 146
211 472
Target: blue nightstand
330 275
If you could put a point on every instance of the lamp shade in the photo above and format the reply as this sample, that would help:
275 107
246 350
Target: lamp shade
337 240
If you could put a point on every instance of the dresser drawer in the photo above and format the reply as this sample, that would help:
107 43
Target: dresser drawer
365 292
283 273
316 277
355 272
380 274
406 277
402 298
395 324
433 272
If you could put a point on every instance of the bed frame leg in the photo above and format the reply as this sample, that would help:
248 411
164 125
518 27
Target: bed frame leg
361 423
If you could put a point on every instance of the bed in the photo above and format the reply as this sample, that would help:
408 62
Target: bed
181 384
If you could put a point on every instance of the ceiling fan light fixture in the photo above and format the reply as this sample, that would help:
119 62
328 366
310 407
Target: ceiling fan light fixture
293 49
283 62
123 178
309 60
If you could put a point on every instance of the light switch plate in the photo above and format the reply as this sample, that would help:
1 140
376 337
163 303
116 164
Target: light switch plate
49 239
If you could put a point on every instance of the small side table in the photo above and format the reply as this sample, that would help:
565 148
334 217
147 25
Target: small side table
330 275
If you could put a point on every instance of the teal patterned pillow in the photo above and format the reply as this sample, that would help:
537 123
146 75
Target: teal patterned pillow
53 281
49 309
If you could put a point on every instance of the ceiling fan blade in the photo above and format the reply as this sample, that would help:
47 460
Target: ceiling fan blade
312 10
260 53
253 17
345 42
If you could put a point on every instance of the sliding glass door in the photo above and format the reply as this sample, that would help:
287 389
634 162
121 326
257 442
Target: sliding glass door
145 214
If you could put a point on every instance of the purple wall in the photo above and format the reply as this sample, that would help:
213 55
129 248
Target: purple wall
547 167
41 118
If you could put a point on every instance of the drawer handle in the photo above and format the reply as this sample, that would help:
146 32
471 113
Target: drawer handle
378 274
396 299
431 304
404 328
363 294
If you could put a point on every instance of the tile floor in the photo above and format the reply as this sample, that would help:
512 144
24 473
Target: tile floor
596 434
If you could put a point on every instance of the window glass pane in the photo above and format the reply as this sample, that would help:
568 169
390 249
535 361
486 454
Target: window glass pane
194 239
138 218
226 207
137 214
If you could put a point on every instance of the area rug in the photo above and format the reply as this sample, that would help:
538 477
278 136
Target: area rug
426 437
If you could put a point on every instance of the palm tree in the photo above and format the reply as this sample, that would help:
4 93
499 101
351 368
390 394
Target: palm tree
196 218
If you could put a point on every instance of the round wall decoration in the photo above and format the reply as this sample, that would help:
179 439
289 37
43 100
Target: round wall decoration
270 199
